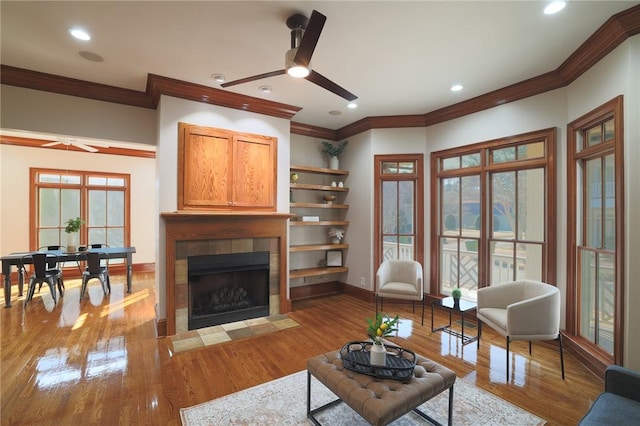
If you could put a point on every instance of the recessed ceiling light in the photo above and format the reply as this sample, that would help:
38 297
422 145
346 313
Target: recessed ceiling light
457 87
79 34
554 7
219 78
334 112
90 56
265 89
352 105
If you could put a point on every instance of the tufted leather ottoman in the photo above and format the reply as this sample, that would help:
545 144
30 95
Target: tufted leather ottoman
379 401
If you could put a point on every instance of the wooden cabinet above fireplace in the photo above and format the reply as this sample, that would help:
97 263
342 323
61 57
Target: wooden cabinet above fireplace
223 170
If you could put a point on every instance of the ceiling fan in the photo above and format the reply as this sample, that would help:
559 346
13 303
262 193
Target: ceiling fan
69 142
304 37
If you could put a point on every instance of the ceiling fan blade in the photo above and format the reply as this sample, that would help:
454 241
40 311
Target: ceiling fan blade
54 143
310 39
254 78
85 147
322 81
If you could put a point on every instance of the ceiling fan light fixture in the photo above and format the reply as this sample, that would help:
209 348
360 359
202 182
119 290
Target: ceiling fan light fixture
293 69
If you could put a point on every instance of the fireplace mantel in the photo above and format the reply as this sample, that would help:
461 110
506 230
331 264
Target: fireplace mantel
195 215
222 225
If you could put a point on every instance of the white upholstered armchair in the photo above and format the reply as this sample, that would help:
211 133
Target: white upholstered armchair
521 310
400 279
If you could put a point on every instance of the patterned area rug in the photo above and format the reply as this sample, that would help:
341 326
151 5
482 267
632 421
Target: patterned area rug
283 402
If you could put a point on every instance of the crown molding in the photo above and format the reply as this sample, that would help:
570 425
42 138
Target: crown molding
313 131
73 87
610 35
112 150
158 85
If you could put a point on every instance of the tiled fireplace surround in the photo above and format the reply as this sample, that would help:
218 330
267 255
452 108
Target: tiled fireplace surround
195 233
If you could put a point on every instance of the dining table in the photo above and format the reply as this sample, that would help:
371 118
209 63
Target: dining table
25 258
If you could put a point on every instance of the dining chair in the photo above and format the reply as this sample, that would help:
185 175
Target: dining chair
98 245
53 248
95 269
43 274
104 261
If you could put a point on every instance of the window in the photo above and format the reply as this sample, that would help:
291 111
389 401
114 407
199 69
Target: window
595 280
100 199
399 215
493 214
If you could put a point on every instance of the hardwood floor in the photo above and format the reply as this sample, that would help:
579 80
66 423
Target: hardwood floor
99 361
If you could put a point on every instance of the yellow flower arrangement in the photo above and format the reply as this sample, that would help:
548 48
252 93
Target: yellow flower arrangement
381 327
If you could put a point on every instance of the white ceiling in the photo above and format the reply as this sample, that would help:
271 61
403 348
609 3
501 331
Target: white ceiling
397 57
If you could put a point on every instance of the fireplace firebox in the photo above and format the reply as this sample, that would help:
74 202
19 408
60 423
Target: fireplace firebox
226 288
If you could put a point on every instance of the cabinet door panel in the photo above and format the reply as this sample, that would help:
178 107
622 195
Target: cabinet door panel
220 169
206 169
254 172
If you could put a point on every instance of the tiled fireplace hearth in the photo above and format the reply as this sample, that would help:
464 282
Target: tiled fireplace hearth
195 234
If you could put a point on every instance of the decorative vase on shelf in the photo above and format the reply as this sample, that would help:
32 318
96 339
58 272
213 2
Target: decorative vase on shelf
378 355
335 240
334 163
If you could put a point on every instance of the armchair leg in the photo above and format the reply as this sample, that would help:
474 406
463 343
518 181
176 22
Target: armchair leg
423 309
529 347
479 332
561 355
508 379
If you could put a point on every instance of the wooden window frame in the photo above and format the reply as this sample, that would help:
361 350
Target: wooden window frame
611 109
418 178
84 188
484 169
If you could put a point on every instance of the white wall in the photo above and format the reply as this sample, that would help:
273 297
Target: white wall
171 111
15 162
45 112
619 74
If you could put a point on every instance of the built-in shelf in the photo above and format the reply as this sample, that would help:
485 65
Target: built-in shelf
313 272
315 247
313 187
319 223
329 214
318 170
319 206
